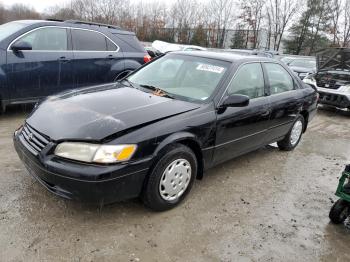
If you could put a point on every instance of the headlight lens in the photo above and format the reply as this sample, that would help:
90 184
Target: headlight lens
95 153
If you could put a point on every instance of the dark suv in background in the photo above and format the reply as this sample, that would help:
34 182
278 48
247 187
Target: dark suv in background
39 58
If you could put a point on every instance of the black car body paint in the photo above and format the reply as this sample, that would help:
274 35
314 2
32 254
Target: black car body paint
117 114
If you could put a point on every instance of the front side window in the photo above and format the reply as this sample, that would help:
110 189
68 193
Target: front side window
47 39
84 40
249 81
280 80
185 77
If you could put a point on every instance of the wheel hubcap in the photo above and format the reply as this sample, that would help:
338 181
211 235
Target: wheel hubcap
175 179
296 132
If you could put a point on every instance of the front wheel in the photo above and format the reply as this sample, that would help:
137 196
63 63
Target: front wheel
292 139
171 179
339 211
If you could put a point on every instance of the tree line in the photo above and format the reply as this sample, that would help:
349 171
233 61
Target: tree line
302 27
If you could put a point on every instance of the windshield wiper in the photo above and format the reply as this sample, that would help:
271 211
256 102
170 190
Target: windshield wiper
158 91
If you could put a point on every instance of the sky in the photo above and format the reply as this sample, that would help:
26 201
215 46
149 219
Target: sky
38 5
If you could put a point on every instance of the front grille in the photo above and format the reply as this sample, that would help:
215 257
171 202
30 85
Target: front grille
32 139
334 99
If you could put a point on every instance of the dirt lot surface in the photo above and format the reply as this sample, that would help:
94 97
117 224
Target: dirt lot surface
265 206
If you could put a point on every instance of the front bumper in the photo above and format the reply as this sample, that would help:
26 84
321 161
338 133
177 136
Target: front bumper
98 184
333 98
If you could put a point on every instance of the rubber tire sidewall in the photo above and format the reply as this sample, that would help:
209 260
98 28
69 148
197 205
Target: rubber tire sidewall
286 144
150 195
337 209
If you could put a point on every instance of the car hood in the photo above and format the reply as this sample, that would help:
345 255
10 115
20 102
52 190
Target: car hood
98 112
333 59
302 69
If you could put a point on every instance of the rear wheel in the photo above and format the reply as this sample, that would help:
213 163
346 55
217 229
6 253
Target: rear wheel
339 211
171 179
292 139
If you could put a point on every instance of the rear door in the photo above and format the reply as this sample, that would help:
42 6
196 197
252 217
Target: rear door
94 56
242 129
44 70
286 100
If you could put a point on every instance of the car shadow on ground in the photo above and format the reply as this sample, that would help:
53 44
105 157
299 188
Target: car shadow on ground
331 111
135 206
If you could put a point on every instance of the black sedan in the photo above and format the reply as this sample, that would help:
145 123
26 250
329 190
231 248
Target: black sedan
153 133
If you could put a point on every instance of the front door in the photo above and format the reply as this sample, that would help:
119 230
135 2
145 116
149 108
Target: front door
44 70
242 129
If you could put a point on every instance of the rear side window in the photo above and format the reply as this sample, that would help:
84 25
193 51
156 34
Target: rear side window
280 80
132 42
84 40
47 39
249 81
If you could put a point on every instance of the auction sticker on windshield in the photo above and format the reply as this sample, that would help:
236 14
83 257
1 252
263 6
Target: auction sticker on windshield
210 68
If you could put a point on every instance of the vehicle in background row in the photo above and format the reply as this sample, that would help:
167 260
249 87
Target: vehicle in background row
152 51
163 47
302 66
154 132
39 57
332 79
248 52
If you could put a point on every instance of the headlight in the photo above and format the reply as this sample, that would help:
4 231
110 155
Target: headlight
345 89
95 153
310 77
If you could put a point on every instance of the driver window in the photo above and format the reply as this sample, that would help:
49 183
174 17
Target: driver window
48 39
249 81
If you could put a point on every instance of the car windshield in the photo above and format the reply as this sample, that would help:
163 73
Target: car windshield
303 63
9 28
184 77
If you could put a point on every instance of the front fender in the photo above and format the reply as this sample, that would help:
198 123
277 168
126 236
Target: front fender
174 138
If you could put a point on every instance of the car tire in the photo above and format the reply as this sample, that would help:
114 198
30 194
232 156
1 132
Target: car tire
292 139
171 179
339 211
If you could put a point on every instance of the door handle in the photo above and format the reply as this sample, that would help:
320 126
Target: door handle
63 59
110 57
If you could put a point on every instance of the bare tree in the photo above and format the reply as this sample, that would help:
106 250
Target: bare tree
223 16
280 13
346 26
335 14
252 15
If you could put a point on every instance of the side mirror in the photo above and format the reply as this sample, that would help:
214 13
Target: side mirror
20 46
235 101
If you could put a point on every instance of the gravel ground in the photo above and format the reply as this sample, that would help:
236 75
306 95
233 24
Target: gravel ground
265 206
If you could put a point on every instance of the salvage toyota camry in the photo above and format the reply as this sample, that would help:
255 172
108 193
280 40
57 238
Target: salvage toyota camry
154 132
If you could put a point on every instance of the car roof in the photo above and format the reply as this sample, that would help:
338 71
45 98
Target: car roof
225 56
77 24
